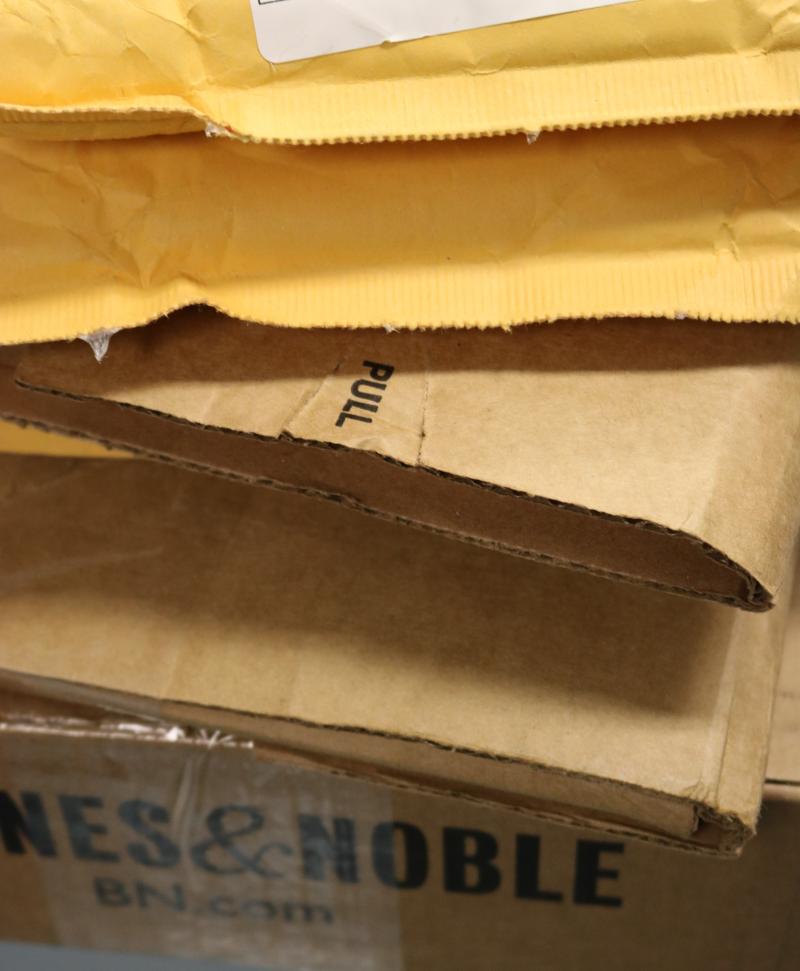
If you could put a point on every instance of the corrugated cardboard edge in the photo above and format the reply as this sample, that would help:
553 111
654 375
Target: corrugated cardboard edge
693 88
99 722
756 598
748 745
715 834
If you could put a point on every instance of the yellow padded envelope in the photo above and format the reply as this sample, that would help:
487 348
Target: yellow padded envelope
32 441
694 220
100 68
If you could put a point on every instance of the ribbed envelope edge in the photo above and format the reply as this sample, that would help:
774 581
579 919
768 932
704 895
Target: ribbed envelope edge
716 287
466 105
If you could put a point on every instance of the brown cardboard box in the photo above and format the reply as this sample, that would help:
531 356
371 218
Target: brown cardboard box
343 642
119 833
662 452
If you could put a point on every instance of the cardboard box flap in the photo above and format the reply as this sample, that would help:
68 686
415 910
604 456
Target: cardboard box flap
122 67
388 653
660 452
477 233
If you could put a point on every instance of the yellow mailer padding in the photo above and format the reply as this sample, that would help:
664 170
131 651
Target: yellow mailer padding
693 220
33 441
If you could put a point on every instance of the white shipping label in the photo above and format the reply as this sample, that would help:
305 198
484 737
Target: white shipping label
288 30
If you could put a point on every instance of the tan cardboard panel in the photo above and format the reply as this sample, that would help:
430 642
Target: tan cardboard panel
125 67
784 752
692 220
197 847
387 653
661 452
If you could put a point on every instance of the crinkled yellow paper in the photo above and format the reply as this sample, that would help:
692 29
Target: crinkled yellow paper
693 220
103 68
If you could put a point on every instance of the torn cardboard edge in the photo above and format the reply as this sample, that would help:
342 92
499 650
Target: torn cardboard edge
46 707
207 449
345 751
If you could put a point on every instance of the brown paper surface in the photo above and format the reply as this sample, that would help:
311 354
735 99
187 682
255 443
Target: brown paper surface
386 653
662 452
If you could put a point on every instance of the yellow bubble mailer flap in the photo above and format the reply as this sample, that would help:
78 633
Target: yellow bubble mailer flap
695 220
18 440
100 68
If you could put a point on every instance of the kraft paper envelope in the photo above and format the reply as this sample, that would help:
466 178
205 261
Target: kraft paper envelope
696 220
662 452
100 68
381 652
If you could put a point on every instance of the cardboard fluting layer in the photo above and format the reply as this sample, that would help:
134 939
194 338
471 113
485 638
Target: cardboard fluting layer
121 68
17 440
361 647
664 452
691 220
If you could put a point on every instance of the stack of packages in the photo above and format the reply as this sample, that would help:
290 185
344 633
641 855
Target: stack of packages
528 286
